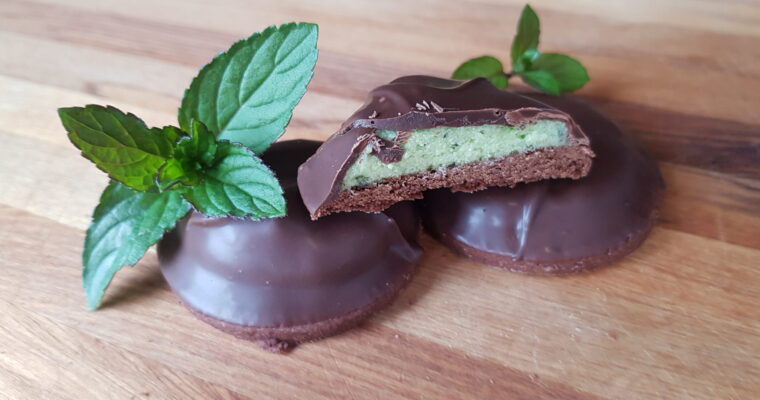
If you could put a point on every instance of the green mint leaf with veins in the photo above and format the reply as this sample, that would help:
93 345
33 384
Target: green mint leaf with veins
124 225
239 184
119 144
486 67
246 94
526 39
567 72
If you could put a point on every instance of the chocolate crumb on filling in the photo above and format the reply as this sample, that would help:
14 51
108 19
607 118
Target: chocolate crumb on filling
386 151
425 133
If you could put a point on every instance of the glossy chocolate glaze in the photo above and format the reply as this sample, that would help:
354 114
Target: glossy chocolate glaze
558 220
410 103
288 271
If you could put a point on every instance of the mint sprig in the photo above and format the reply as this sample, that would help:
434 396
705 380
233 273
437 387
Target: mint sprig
246 96
552 73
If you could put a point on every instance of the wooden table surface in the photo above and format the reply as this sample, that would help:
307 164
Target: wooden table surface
678 319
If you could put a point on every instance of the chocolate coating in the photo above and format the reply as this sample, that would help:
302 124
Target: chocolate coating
289 271
410 103
557 226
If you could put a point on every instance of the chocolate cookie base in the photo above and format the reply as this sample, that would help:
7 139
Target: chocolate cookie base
572 162
280 339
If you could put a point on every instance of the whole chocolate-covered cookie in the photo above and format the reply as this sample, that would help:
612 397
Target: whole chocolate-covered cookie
287 280
557 226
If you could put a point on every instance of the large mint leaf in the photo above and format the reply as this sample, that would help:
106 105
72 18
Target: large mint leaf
247 94
119 144
526 39
486 67
238 185
542 80
568 72
124 225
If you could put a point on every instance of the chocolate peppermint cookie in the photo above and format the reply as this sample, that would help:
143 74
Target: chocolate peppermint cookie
282 281
557 226
419 133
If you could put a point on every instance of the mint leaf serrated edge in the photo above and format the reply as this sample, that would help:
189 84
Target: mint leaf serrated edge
242 96
120 144
124 225
239 185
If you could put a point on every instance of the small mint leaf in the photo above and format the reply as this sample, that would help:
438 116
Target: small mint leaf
172 133
486 67
542 80
567 71
176 171
192 155
199 146
525 63
247 94
119 144
238 185
124 225
528 32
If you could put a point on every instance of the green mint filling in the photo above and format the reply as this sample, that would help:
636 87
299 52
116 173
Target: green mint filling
445 147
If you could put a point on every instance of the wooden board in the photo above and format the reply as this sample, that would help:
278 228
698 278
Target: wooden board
678 319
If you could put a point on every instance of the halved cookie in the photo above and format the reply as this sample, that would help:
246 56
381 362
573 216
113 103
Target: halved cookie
420 133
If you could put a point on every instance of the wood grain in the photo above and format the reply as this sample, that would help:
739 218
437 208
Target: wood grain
677 319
